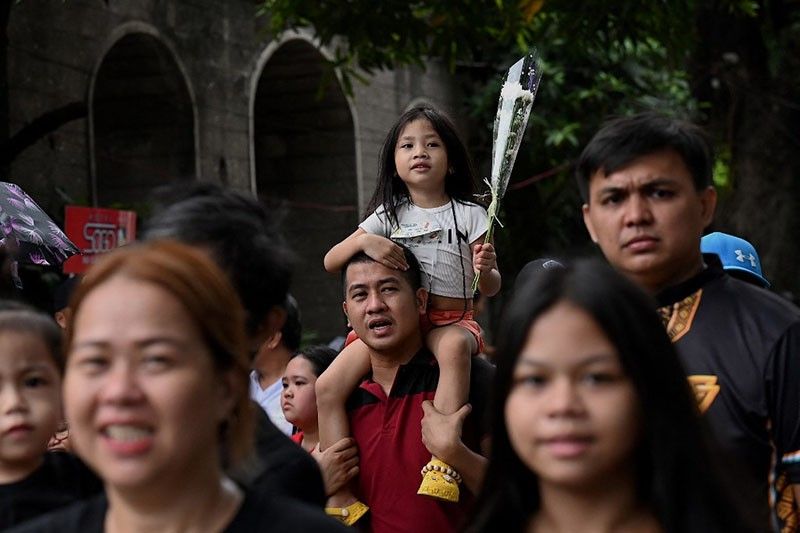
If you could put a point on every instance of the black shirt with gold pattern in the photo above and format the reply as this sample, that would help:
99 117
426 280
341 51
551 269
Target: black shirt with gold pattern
740 346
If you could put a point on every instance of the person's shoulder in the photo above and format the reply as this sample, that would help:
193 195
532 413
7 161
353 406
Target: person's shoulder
424 356
755 300
378 221
400 204
65 469
422 365
65 463
279 513
284 467
766 317
471 207
87 516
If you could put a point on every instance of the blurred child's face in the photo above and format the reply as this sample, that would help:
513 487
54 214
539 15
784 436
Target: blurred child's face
30 403
572 412
420 157
299 400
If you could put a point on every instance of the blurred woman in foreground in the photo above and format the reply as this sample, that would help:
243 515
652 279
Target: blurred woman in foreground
156 396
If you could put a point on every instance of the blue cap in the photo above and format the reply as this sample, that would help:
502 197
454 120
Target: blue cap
735 254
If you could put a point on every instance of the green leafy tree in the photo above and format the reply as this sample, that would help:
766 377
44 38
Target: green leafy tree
725 63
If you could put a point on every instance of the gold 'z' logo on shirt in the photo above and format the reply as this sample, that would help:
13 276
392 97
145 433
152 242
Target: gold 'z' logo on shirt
705 390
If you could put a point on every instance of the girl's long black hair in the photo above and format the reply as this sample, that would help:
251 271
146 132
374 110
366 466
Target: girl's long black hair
460 184
676 473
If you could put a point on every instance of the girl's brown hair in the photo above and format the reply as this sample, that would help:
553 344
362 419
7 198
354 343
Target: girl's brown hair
21 319
210 301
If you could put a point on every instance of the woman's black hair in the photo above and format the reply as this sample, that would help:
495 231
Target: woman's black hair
320 356
676 477
459 184
241 234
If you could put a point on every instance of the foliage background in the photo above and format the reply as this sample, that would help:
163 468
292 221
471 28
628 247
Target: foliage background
731 65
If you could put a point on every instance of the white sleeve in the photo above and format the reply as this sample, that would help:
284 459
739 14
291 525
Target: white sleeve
477 221
377 224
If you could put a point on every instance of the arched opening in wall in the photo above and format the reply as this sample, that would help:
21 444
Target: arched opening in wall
305 160
142 120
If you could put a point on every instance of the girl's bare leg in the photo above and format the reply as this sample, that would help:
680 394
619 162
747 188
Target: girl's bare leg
453 347
333 387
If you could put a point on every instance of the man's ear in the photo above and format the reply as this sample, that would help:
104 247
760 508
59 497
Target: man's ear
271 324
422 300
344 309
708 204
273 340
62 318
587 221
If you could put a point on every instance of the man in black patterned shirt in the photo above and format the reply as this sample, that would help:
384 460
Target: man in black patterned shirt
646 184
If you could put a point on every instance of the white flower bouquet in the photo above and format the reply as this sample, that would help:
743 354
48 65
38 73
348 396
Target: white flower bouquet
516 99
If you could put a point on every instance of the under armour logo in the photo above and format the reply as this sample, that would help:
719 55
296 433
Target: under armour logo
741 258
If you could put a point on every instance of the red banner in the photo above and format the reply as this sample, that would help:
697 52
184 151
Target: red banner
96 231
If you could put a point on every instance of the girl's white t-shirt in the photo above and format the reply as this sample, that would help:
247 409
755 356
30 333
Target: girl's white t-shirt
440 243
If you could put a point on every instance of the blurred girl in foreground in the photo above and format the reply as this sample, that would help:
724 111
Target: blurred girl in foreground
594 425
156 395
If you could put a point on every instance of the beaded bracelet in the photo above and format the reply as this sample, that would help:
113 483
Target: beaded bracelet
447 472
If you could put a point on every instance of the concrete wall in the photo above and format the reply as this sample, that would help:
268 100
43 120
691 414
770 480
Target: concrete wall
219 50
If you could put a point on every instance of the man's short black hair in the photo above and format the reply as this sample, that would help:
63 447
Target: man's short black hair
622 140
413 273
242 236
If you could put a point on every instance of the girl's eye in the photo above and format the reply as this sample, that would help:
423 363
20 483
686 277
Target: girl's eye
33 382
531 380
157 362
91 363
284 384
599 378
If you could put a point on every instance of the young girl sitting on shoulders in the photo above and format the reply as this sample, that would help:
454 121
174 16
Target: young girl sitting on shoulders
424 201
33 481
